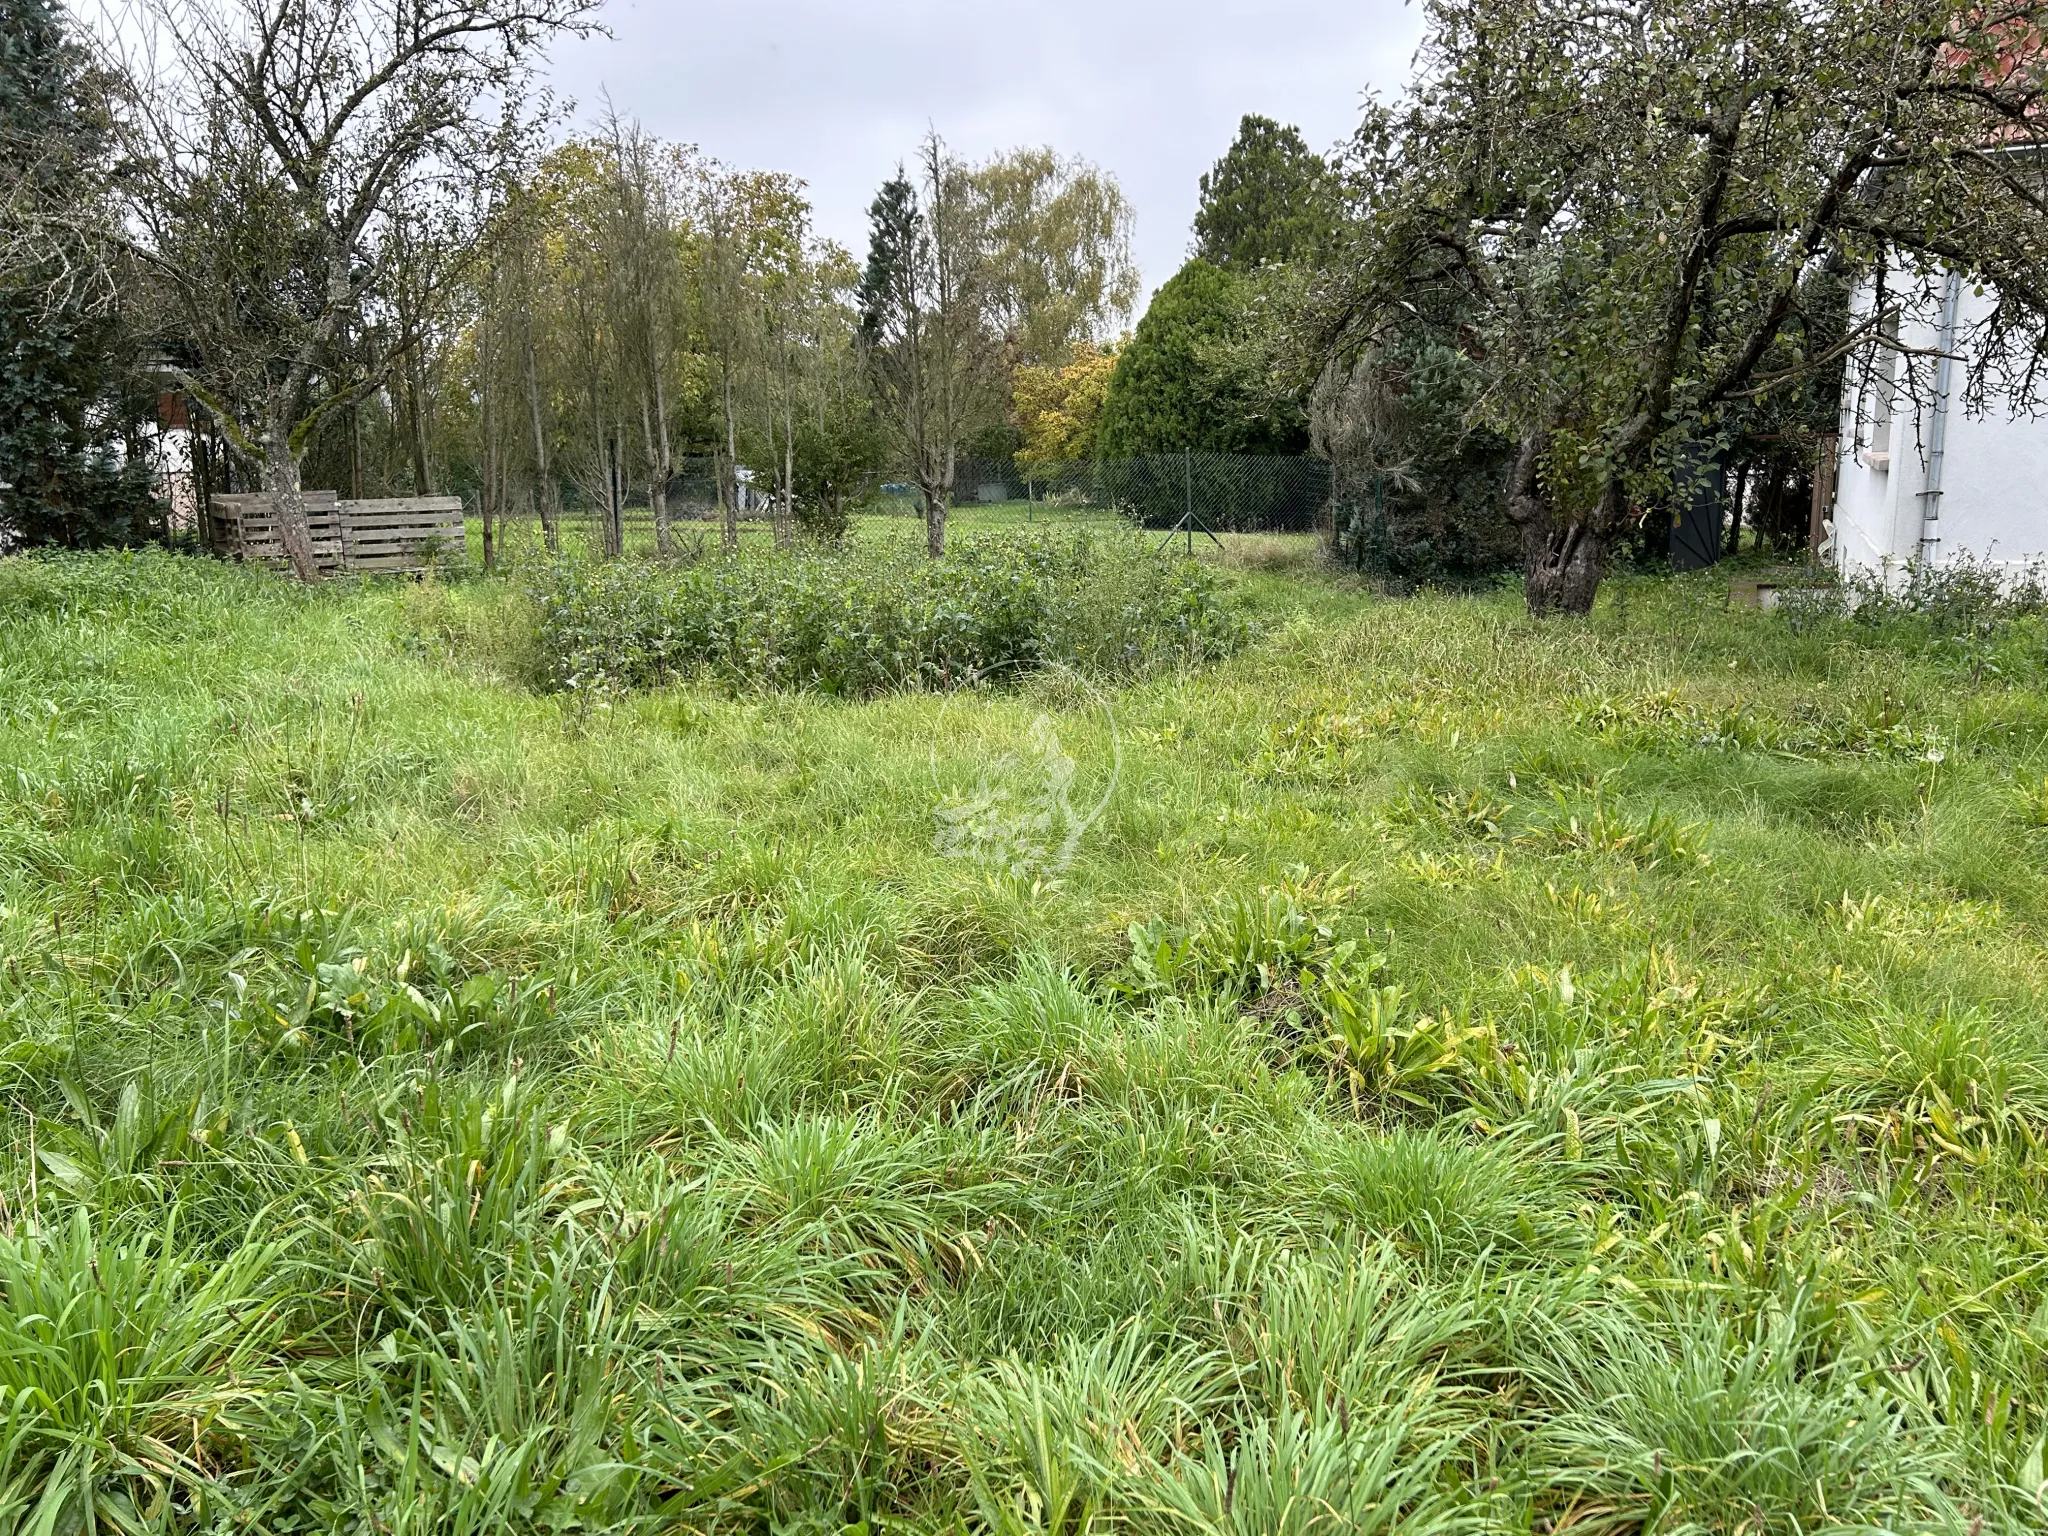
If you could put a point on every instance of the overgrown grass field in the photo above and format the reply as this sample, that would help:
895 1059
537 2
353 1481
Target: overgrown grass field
1475 1075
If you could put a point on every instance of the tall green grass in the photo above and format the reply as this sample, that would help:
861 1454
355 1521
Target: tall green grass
1477 1075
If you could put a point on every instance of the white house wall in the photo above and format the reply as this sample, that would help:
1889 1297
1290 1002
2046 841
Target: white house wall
1994 484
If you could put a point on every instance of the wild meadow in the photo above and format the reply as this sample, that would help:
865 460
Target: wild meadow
1475 1074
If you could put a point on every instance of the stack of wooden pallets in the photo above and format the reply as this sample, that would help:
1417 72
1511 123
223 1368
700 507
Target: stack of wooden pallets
385 534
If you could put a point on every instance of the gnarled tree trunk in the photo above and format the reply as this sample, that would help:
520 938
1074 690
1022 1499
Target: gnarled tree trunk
1563 559
1562 563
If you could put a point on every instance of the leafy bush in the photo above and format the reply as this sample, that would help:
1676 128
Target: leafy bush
1961 597
1417 488
1172 389
860 622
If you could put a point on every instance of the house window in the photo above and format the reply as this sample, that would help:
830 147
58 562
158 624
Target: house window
1883 394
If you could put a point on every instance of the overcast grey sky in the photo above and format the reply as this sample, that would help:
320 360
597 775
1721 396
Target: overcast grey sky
839 92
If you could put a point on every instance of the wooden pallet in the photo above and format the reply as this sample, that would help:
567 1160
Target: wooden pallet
384 534
395 533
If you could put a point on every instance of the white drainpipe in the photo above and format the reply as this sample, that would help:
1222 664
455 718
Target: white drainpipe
1937 431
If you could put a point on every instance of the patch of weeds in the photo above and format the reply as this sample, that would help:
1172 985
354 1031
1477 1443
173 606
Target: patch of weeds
1954 1085
137 1152
1647 839
1880 724
1959 597
1471 814
1326 747
1555 767
1636 723
2033 801
1379 1047
1242 946
344 1005
854 622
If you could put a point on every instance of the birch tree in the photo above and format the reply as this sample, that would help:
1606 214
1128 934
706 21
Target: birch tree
586 325
643 235
722 302
514 452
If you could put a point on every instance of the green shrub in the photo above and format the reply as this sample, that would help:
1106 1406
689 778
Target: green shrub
1963 597
1172 389
861 622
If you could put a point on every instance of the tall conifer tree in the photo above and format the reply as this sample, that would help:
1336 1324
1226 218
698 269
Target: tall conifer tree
63 478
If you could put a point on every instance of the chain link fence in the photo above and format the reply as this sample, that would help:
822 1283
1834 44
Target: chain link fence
1218 492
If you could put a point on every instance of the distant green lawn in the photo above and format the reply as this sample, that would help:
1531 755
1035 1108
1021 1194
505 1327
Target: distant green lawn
1475 1075
902 520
